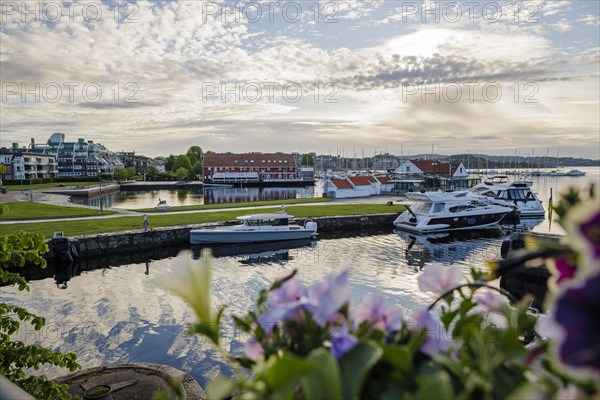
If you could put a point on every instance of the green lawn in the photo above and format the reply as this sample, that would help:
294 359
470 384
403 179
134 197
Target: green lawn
51 185
236 205
27 210
94 226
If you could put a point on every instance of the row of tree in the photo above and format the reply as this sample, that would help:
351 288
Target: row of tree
188 165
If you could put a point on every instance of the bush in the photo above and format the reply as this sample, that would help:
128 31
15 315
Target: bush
17 358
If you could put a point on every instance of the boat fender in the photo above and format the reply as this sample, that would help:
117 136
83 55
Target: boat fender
311 225
504 248
73 249
67 254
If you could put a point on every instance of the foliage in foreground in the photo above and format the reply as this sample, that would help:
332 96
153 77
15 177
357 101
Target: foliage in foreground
16 357
308 341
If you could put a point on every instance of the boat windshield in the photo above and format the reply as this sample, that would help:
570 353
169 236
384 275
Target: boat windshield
420 207
266 222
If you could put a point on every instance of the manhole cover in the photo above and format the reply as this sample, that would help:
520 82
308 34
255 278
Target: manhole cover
128 381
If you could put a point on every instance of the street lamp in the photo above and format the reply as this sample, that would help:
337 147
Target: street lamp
30 191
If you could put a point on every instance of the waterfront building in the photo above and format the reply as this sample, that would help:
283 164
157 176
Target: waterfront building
253 168
138 162
78 159
21 164
431 175
352 186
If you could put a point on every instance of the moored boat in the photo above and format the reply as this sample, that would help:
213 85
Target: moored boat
255 228
433 212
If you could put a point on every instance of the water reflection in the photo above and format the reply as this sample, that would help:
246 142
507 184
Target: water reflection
447 247
110 313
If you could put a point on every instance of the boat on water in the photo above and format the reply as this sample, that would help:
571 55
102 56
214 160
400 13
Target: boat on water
255 228
575 172
439 212
501 191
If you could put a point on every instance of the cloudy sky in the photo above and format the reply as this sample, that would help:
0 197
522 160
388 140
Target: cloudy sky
397 76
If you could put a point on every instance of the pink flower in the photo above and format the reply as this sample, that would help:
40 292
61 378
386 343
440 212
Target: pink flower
437 340
382 316
326 298
490 301
438 279
253 349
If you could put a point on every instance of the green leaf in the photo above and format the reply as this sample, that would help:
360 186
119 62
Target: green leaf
219 388
325 381
400 357
283 373
355 366
436 386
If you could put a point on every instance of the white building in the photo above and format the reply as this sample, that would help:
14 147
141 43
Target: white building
432 167
352 186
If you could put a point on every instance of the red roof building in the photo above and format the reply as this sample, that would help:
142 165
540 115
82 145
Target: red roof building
432 167
250 167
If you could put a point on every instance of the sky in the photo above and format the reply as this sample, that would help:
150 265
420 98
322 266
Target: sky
157 77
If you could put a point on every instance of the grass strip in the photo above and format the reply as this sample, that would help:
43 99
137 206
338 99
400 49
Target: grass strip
23 210
236 205
105 225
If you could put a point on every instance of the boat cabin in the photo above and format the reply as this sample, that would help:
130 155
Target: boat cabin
265 220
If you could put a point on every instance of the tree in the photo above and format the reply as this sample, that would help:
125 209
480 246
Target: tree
122 174
196 169
182 173
182 162
308 160
18 357
194 154
152 171
169 162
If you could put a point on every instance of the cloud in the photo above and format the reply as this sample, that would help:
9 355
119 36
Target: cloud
168 56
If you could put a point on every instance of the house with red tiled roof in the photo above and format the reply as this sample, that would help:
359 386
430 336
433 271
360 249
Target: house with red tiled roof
432 167
386 183
267 168
352 186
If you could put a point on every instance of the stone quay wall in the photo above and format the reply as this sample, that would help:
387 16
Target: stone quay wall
139 240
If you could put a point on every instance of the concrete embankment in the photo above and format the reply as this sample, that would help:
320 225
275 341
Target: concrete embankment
91 191
138 240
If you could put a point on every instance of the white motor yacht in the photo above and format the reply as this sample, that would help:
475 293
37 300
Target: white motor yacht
432 212
501 191
576 172
255 228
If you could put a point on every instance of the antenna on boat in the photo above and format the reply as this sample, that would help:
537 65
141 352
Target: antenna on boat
282 211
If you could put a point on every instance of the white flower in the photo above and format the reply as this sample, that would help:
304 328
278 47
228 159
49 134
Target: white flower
191 282
490 301
547 328
438 279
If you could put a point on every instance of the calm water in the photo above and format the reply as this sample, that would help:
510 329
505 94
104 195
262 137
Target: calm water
216 195
113 314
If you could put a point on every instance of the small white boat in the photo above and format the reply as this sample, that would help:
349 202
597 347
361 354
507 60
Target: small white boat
575 172
433 212
254 229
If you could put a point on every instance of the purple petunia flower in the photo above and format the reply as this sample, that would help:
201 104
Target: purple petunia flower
590 231
342 342
291 290
382 316
437 340
564 268
253 349
326 298
576 312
